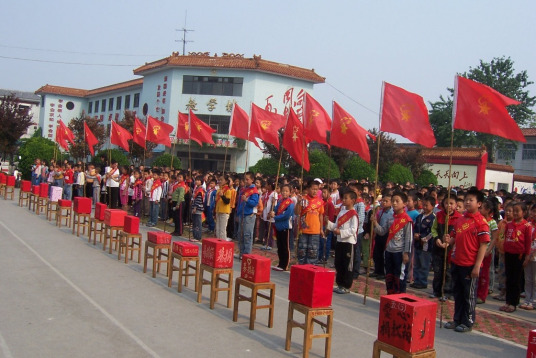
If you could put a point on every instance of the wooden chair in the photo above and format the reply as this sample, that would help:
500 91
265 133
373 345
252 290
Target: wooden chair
131 242
215 278
255 288
159 251
185 264
380 347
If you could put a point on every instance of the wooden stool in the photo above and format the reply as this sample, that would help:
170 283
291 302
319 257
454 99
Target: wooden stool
41 205
33 201
109 235
215 278
52 209
311 315
9 190
184 269
399 353
97 227
64 213
81 220
24 198
255 287
128 241
156 256
2 189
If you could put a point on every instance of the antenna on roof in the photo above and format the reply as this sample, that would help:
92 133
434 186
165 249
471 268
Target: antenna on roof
184 32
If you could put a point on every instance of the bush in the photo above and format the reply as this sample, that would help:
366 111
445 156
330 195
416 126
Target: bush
165 161
398 174
117 155
426 178
33 148
322 166
356 168
267 166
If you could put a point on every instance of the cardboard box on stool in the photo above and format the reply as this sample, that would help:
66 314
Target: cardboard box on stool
3 178
132 224
217 253
36 189
26 185
185 249
82 205
10 181
255 268
64 203
99 211
159 237
43 190
407 322
56 194
311 286
114 217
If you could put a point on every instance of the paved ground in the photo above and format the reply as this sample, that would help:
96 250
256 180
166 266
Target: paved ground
63 297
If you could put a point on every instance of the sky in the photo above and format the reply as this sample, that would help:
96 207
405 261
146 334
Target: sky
354 44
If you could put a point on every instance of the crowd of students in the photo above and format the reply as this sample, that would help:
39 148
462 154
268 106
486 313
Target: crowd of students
470 239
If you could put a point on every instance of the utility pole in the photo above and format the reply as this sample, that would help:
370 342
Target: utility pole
184 32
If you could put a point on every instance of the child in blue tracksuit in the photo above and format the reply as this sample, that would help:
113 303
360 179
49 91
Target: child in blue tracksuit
210 204
246 212
282 214
197 208
422 244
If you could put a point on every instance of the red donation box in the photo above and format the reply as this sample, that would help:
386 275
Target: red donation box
185 249
82 205
407 322
3 178
217 253
132 225
36 189
10 181
26 185
114 217
159 237
99 211
43 190
64 203
531 347
255 268
311 286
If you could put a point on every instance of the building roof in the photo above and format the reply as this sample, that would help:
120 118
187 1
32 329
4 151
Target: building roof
77 92
524 178
500 167
231 61
22 95
529 132
457 153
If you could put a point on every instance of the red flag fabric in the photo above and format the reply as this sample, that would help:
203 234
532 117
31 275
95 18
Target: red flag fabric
346 133
200 131
183 127
406 114
317 121
64 134
138 135
239 126
120 136
294 141
265 125
90 139
158 132
480 108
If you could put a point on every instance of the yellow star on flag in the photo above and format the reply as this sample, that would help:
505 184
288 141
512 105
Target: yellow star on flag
265 124
314 113
295 131
484 106
405 112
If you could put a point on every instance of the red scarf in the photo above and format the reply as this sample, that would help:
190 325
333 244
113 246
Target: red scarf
199 190
345 217
283 206
250 191
185 186
400 221
123 178
138 182
156 185
222 192
314 204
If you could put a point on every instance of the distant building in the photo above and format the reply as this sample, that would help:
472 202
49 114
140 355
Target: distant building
27 100
522 156
209 85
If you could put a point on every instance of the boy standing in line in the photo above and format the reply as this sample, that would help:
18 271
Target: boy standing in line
197 208
246 212
423 244
470 238
381 223
310 210
154 197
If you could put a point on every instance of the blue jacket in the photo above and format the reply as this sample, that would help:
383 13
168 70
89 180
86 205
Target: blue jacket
282 222
423 226
245 208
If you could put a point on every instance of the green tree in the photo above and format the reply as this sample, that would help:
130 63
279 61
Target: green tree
426 178
499 74
267 166
399 174
80 148
356 168
14 121
33 148
137 153
164 160
322 166
116 154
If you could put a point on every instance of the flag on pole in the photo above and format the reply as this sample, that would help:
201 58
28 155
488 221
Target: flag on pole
200 131
158 132
120 136
239 125
183 126
317 121
294 141
90 139
64 134
139 132
406 114
265 125
480 108
347 134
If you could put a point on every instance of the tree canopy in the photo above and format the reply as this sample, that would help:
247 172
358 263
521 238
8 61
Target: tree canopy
14 122
80 148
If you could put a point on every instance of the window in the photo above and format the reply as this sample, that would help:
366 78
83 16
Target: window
127 101
508 152
136 103
103 106
111 104
219 123
90 107
218 86
96 106
529 151
118 103
504 186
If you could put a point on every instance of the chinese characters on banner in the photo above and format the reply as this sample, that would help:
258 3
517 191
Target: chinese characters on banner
292 98
161 99
54 115
462 175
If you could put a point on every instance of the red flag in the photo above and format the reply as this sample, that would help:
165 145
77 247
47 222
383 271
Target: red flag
239 126
480 108
120 136
346 133
294 141
158 132
183 127
90 139
406 114
64 134
265 125
138 135
317 121
200 131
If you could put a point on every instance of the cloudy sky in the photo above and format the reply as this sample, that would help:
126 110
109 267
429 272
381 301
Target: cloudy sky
417 45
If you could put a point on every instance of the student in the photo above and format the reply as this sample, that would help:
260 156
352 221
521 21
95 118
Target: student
282 215
210 204
177 205
148 183
80 181
422 236
198 199
411 207
345 228
381 223
499 244
398 246
154 199
310 210
68 182
137 195
246 213
270 231
470 239
490 212
164 205
329 213
360 209
223 207
530 275
112 183
124 184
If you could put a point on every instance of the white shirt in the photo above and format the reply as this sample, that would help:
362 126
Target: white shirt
348 229
113 181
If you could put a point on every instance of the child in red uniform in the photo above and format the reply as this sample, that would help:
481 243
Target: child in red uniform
470 237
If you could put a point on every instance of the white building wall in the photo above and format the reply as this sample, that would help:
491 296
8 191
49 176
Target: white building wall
55 108
524 187
496 180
